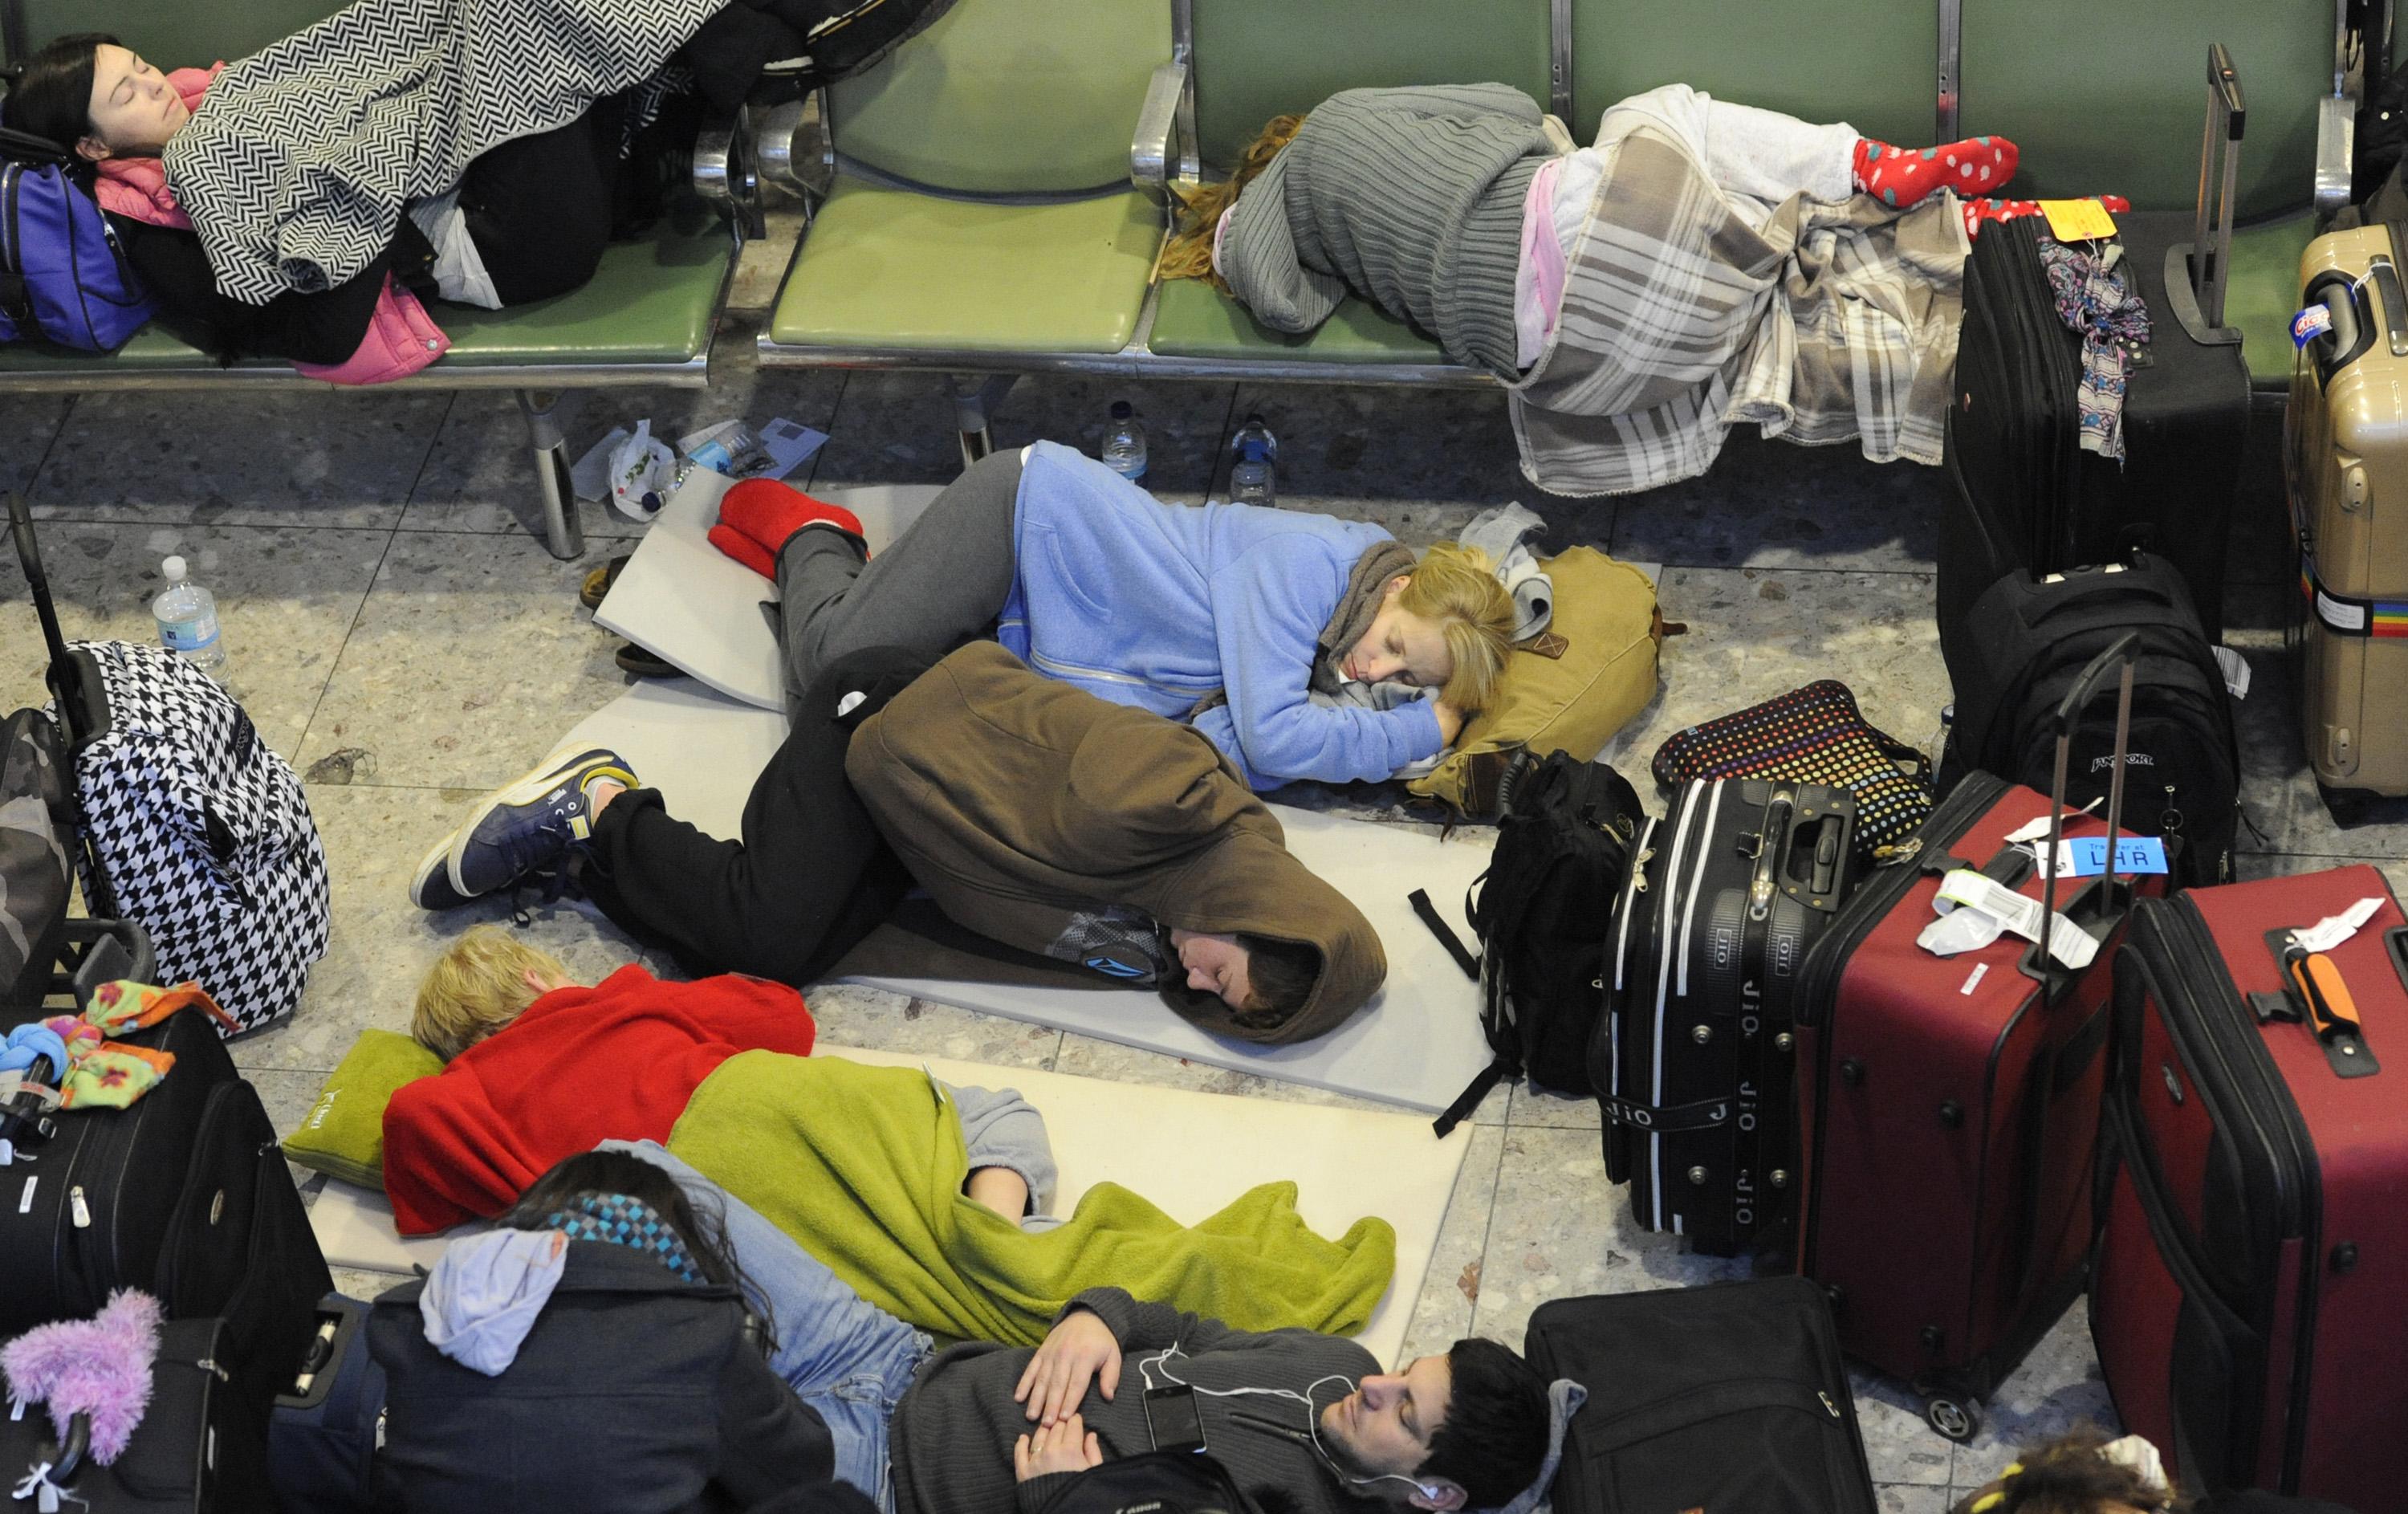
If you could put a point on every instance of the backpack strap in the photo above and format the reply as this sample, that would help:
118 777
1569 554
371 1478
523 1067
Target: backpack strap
1420 900
1468 1099
27 148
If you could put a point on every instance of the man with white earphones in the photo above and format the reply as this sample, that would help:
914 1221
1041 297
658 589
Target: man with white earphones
1306 1419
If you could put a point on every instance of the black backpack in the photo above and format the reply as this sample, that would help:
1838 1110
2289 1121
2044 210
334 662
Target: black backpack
1564 835
1152 1482
2023 645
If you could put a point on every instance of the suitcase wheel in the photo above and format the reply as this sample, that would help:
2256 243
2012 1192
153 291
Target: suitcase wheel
1958 1418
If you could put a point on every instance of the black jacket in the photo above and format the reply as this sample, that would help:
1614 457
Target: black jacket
634 1392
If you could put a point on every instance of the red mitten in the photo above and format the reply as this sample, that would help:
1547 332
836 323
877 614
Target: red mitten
1903 175
751 554
769 512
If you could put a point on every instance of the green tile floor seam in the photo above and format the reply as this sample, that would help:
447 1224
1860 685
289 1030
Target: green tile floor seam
1488 1224
335 663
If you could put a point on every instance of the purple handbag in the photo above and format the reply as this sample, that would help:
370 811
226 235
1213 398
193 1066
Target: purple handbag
62 276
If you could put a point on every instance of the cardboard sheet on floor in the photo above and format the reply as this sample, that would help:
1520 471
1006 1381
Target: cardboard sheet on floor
1191 1153
1416 1044
685 601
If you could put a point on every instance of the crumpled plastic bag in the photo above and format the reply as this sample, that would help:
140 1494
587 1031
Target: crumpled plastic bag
643 474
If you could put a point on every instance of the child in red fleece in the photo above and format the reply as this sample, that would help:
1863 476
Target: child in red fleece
616 1061
580 1065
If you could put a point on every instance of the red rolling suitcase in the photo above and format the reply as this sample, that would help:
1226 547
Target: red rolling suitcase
1957 1096
2247 1290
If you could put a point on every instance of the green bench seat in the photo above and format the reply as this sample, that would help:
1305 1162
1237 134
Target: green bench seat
886 269
1192 319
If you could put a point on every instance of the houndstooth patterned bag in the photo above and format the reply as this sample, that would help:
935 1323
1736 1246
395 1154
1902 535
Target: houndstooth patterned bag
202 833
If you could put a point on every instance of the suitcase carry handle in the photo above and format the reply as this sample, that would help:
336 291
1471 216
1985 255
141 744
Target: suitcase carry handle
2195 287
2119 658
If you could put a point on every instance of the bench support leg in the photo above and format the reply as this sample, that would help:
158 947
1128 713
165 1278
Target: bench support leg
973 397
563 532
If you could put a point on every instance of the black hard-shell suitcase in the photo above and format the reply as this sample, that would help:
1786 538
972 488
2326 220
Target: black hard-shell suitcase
1693 1061
2026 498
196 1450
184 1194
2025 644
1727 1397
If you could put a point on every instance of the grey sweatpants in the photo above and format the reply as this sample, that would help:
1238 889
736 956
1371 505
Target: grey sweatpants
940 584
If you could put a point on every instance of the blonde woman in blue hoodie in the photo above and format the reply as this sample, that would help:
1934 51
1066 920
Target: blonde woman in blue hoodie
1228 616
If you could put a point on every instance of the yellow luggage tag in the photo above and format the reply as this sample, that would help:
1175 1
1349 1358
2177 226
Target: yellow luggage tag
2078 220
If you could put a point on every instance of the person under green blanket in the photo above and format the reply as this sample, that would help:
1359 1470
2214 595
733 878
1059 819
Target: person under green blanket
1302 1420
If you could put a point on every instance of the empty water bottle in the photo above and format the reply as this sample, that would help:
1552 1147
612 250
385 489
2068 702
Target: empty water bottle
1253 452
1124 442
188 619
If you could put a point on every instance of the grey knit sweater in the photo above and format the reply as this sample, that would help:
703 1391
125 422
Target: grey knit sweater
1412 197
950 1437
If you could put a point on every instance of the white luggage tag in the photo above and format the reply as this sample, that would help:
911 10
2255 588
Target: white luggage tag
2333 930
2068 942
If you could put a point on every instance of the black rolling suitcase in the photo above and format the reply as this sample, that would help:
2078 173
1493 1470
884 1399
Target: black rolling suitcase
196 1450
1729 1397
1693 1060
2025 497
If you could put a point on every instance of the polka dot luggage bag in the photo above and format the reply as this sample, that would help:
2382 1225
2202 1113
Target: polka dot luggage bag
1816 735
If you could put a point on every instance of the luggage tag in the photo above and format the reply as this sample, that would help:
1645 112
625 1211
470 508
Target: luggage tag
2085 857
2309 323
2072 946
2313 991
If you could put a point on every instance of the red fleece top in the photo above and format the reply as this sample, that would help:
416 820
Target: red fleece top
614 1062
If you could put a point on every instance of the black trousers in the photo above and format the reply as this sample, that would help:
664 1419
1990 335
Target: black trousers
539 207
809 879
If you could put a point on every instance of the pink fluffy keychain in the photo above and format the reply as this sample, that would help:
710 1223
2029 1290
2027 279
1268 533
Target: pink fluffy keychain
99 1367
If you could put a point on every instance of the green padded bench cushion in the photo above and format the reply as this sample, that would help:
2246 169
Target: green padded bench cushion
2263 294
1192 319
884 268
653 300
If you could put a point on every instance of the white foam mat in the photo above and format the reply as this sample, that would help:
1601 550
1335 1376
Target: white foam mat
1417 1043
1190 1153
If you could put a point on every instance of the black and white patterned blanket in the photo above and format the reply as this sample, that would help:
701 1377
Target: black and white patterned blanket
296 170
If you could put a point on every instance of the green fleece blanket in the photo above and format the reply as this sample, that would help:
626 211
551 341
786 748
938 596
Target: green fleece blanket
864 1167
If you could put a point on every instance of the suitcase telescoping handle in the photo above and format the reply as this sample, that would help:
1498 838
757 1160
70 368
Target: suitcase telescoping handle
2196 271
2117 658
29 554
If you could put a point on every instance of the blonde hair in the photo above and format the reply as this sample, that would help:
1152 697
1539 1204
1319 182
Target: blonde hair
1456 590
1188 254
478 987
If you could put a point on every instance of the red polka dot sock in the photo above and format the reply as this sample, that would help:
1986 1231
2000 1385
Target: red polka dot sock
1979 211
1900 176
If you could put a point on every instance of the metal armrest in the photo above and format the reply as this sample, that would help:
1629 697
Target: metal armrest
2336 141
725 172
1153 151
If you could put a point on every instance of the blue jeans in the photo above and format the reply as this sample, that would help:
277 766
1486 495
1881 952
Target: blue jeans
849 1360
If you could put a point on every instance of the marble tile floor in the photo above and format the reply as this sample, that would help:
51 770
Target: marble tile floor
398 633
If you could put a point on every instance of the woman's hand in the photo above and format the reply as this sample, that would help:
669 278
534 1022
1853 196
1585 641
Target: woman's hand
1068 1447
1078 1349
1450 721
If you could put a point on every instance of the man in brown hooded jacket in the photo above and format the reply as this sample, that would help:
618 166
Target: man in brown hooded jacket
1035 815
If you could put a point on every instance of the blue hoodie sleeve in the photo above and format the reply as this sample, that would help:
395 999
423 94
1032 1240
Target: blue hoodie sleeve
1267 633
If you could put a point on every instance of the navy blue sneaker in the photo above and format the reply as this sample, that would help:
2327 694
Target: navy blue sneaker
430 886
529 825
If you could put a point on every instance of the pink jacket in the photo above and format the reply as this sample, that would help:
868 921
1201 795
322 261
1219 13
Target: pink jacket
401 338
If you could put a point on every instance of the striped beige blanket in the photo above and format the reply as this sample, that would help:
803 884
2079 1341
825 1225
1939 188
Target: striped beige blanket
1686 311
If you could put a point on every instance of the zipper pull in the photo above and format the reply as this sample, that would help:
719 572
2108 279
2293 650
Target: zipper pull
81 1210
1834 1409
209 1364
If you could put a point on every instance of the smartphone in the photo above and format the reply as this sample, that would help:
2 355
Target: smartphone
1171 1419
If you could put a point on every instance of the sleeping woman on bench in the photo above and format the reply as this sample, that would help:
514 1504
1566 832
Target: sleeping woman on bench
267 228
1703 264
1230 617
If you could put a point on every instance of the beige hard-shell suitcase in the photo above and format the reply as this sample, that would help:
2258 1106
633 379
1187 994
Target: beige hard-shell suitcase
2345 463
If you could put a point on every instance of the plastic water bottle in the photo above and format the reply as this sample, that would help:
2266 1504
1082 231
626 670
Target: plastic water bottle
188 619
1255 453
1124 442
